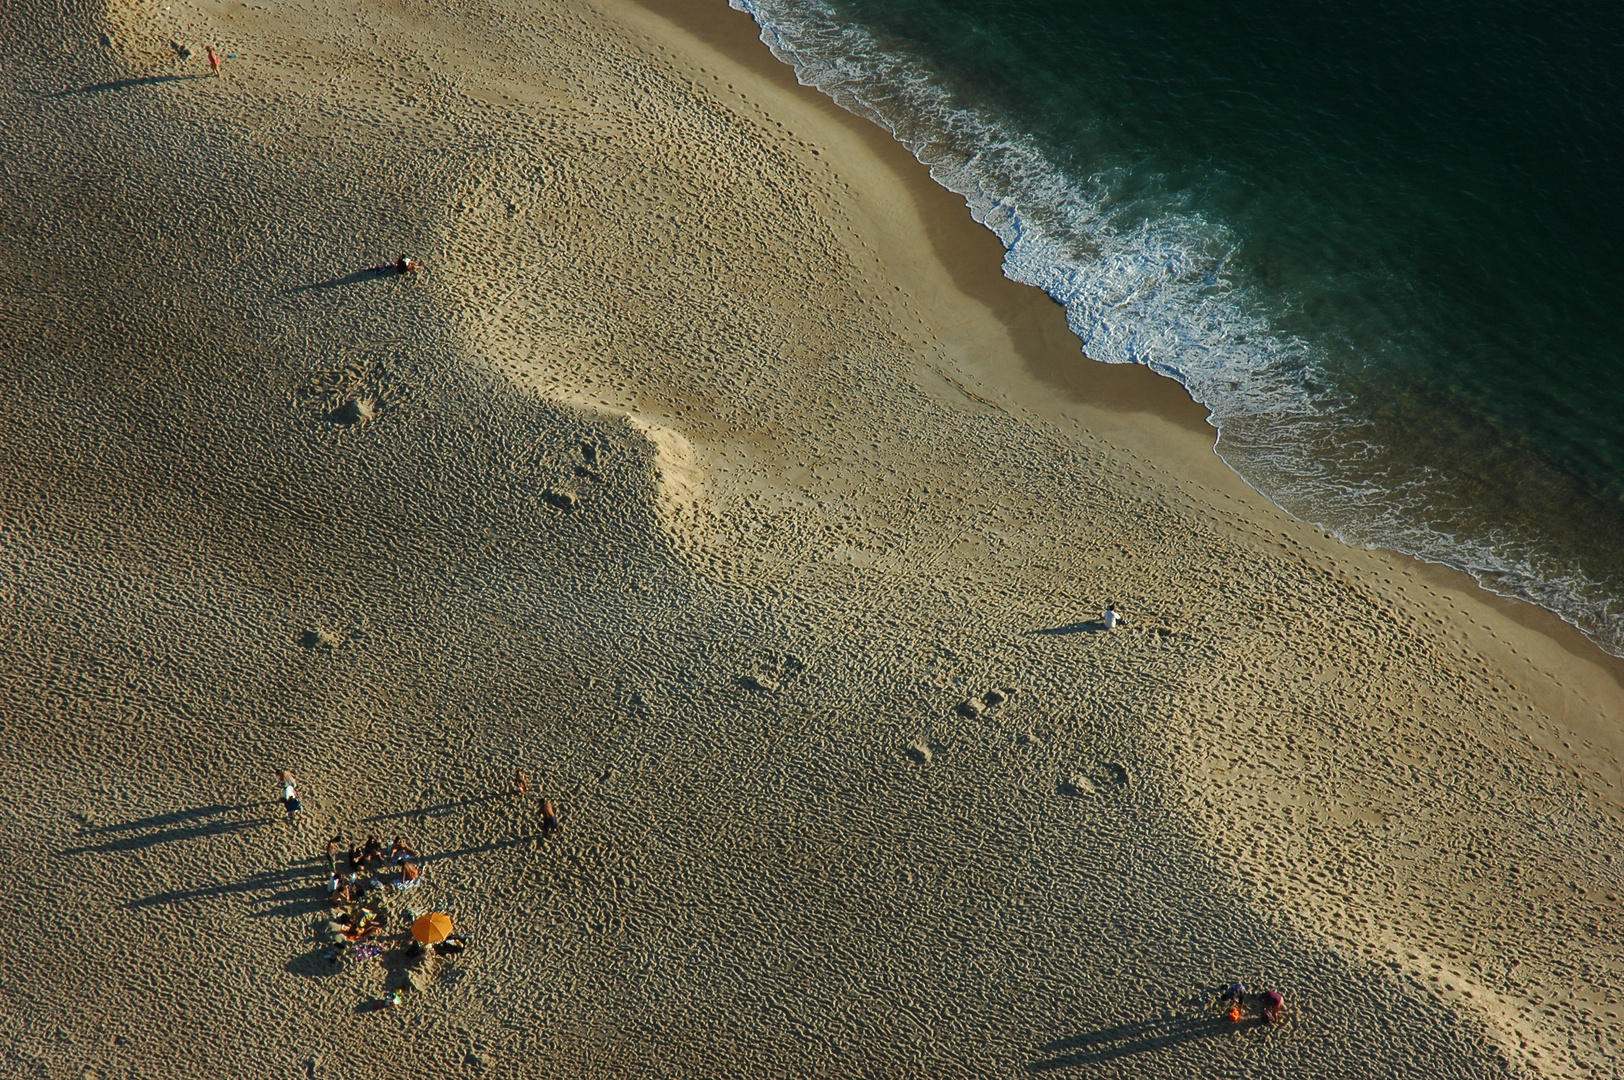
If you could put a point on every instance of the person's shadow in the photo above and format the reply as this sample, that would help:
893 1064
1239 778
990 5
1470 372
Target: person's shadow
1125 1040
123 84
177 825
371 273
1092 626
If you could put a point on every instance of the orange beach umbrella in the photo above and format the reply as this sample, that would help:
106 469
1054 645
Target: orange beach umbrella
432 928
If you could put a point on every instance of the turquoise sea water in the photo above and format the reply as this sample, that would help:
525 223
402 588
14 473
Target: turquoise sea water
1382 242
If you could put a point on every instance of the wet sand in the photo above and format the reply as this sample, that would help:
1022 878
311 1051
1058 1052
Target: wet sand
711 474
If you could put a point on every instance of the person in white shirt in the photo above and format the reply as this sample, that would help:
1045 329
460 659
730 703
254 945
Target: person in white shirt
1111 618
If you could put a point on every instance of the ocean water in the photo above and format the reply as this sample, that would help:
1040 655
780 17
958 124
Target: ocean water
1382 241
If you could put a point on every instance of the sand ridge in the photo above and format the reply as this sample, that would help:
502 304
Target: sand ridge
660 483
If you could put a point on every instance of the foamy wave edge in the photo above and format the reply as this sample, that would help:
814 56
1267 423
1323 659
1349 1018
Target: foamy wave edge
1156 293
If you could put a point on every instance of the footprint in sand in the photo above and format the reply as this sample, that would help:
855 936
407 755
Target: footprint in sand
356 411
592 454
772 671
1077 785
1104 778
321 639
352 396
980 706
566 501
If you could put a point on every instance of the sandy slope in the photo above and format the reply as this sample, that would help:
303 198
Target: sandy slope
712 475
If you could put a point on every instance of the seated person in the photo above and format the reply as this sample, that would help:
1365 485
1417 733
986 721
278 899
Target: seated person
1274 1003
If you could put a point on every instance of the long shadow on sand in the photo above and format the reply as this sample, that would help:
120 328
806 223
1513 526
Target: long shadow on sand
1109 1044
371 273
480 849
123 84
270 879
295 889
170 828
175 817
441 809
1093 626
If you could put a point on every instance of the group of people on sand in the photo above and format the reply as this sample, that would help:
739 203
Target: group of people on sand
365 866
1237 1004
357 889
362 875
357 933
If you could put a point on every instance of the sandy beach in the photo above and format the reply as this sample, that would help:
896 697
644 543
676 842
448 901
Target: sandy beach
710 473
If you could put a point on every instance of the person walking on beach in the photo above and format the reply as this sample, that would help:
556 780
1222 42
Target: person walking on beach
549 818
214 61
521 782
290 796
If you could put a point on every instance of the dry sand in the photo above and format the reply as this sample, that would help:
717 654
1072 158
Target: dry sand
711 474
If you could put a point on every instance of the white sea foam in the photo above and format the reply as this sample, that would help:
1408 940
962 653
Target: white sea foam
1148 282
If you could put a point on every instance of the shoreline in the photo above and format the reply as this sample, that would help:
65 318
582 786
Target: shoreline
1056 370
1052 356
770 554
969 253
